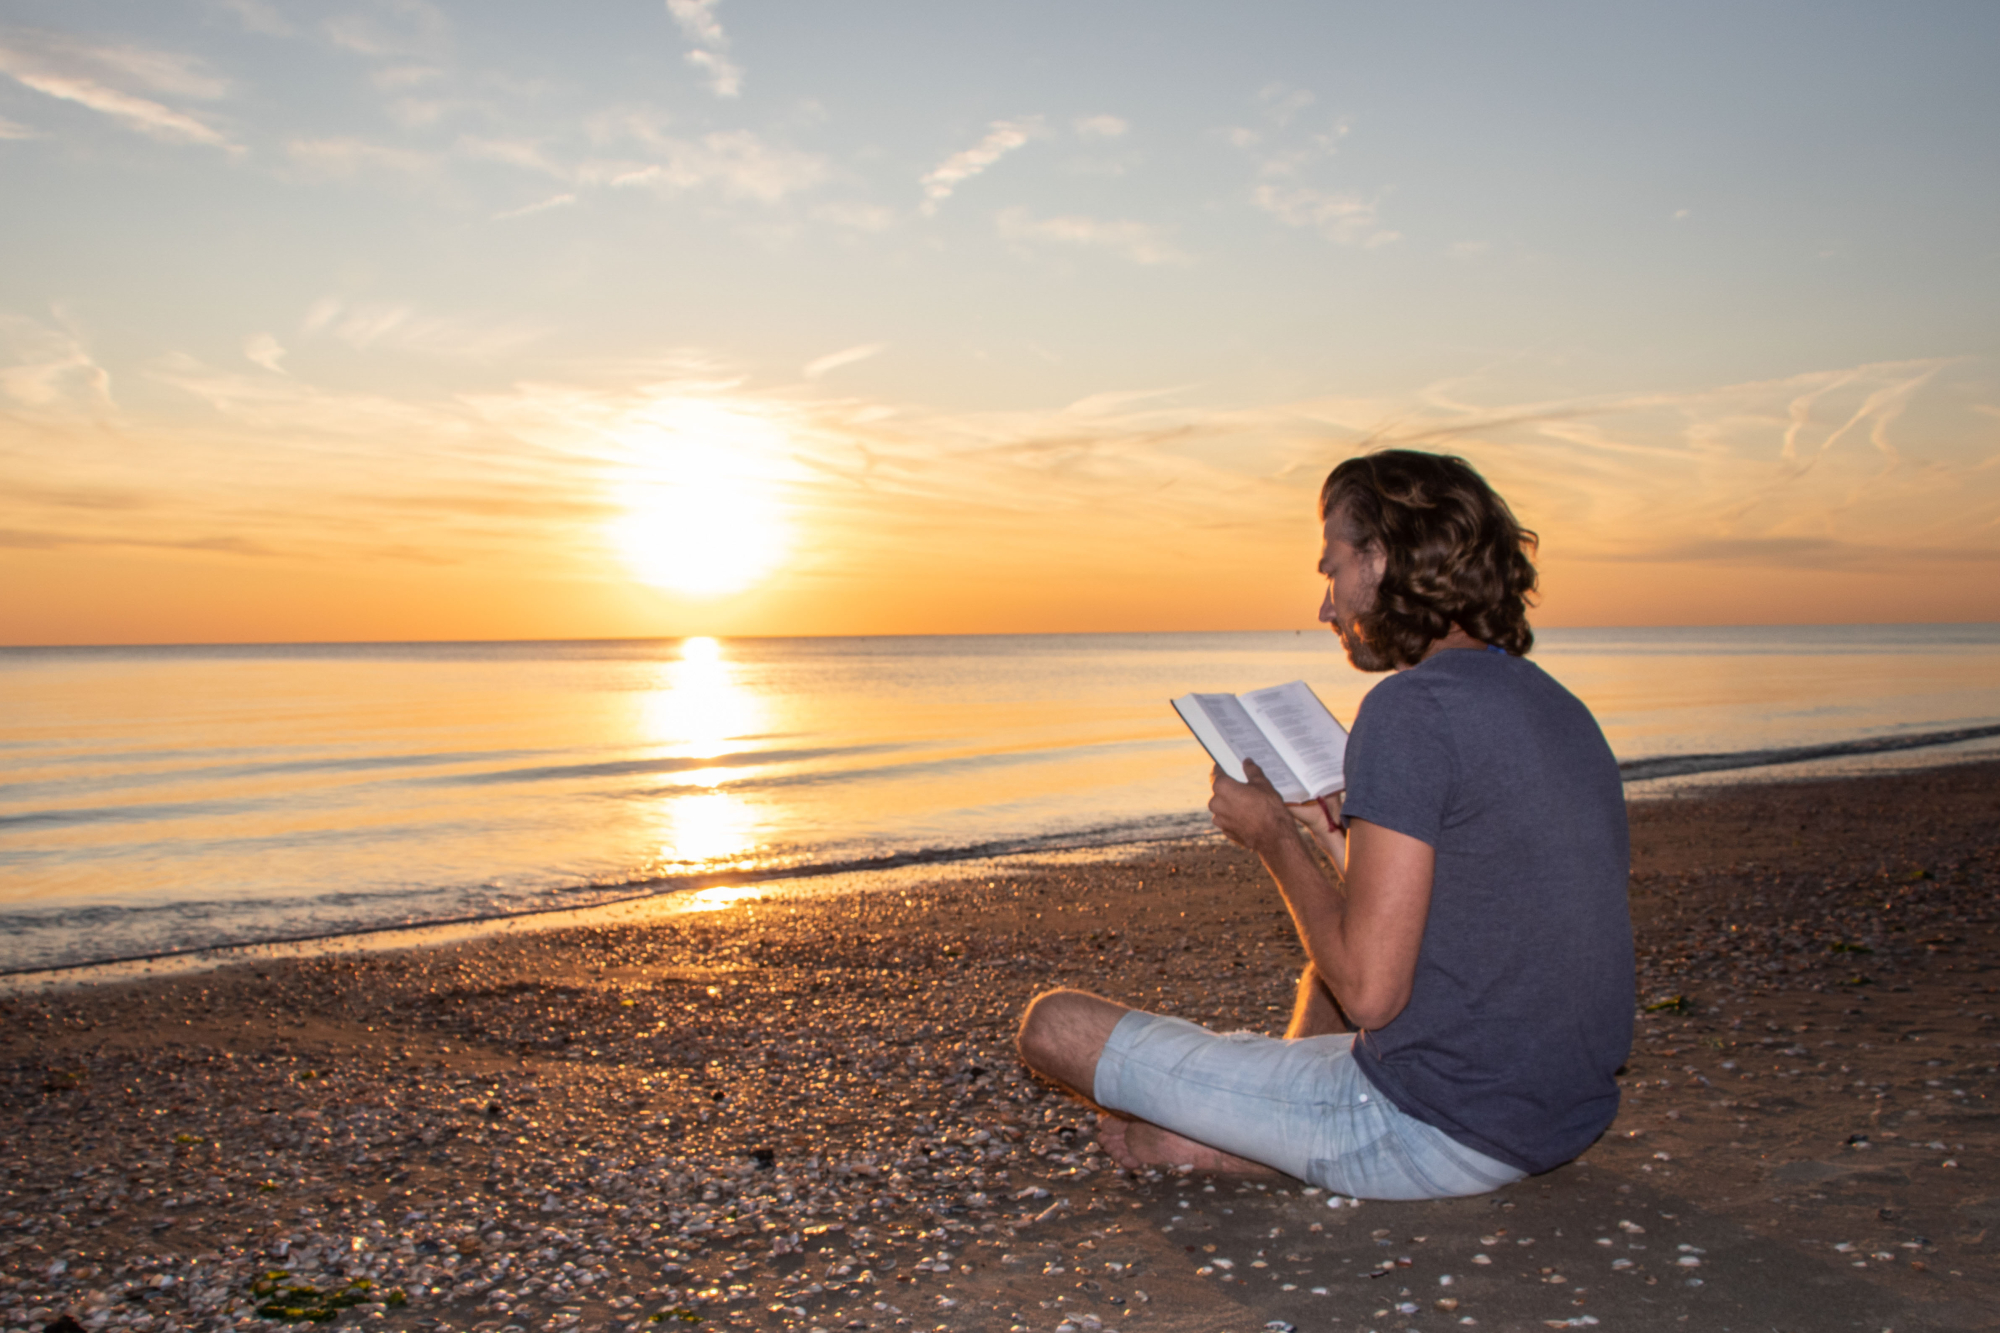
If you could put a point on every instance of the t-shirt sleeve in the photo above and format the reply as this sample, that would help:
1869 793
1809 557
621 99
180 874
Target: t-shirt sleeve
1401 766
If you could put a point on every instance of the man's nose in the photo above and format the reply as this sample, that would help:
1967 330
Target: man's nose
1326 607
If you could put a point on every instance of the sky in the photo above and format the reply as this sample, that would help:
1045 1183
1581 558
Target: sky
403 319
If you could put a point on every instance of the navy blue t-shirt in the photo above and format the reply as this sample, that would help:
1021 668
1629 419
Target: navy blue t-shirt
1521 1012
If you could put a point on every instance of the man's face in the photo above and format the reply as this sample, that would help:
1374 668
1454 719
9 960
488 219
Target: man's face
1351 578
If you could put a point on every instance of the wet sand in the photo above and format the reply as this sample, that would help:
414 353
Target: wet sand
802 1111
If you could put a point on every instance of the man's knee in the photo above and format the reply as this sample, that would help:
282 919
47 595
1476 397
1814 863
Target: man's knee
1043 1025
1062 1032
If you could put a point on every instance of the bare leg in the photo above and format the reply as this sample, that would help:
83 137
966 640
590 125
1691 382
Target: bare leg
1062 1034
1315 1013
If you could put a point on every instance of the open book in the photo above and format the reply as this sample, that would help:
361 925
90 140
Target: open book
1285 729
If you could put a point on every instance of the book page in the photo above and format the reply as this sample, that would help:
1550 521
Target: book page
1227 732
1313 744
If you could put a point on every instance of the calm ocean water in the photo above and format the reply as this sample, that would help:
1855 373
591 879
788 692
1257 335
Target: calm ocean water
157 799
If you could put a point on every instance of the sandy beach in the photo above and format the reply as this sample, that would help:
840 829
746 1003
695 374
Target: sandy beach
801 1110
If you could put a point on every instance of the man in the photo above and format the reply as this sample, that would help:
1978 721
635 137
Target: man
1475 931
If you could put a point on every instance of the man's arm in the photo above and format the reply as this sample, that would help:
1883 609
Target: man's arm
1362 937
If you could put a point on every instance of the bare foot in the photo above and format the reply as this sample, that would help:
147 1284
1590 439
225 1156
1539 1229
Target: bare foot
1134 1144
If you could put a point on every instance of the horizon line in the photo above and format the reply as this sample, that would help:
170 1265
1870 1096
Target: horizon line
958 634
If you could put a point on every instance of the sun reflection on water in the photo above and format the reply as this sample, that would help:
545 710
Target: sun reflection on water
700 710
703 827
723 895
697 709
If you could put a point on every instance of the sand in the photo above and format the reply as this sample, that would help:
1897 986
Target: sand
801 1111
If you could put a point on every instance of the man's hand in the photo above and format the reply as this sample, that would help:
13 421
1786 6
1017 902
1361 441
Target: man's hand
1250 814
1243 811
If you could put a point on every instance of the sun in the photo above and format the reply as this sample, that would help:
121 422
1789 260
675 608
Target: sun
703 539
700 510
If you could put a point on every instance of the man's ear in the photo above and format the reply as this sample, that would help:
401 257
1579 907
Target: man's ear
1377 557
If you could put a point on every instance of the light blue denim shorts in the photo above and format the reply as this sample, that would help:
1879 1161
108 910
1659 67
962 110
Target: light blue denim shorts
1302 1106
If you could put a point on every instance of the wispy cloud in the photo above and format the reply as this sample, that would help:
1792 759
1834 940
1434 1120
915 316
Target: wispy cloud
259 16
168 73
1877 413
835 360
1817 554
422 113
856 216
266 351
403 328
709 51
121 538
527 154
1136 241
1660 478
1765 472
147 117
390 28
1343 218
12 130
1287 164
1003 138
108 78
1101 127
283 469
739 163
402 78
423 94
345 159
1115 402
540 206
1282 103
48 366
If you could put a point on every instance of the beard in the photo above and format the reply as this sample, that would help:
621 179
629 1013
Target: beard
1364 655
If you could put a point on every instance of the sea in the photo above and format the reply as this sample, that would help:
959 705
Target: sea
159 801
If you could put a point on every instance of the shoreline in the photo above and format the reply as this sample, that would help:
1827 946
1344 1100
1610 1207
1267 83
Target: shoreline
697 895
1866 759
714 1113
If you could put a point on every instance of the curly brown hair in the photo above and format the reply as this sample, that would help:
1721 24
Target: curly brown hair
1455 553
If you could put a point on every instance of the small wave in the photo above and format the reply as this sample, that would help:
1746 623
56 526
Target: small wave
151 811
153 768
1681 765
616 768
931 769
110 814
102 918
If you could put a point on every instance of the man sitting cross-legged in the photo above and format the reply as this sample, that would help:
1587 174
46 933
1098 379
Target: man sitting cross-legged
1475 930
